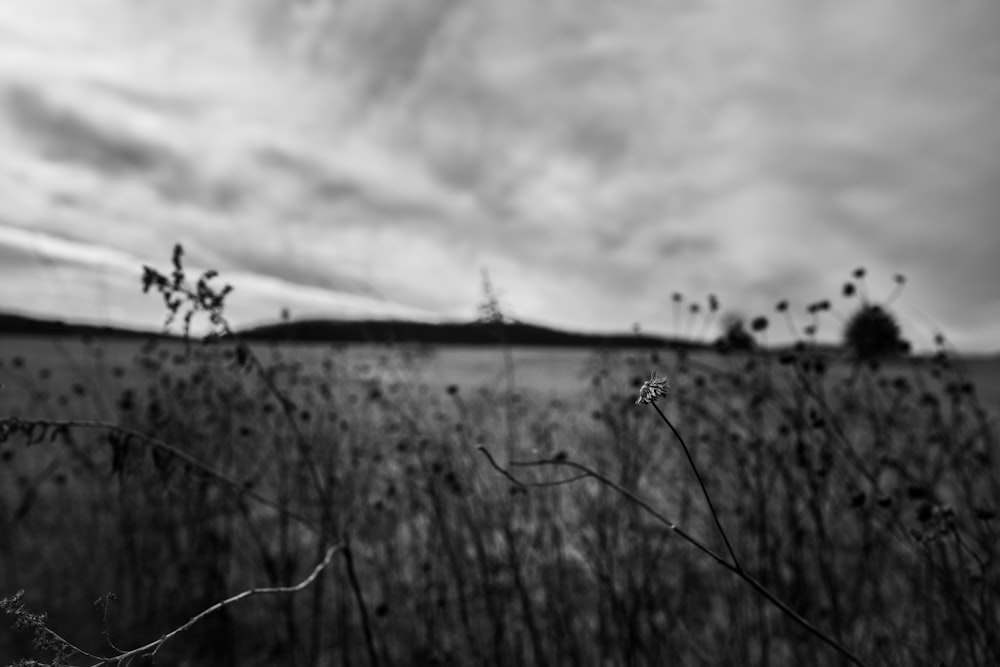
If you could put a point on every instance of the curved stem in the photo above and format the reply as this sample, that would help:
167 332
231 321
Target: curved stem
704 489
734 568
144 439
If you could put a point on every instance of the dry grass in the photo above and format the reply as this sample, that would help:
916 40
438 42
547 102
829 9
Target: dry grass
864 498
833 494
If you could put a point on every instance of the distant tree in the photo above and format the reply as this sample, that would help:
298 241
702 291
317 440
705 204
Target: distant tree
490 310
873 333
735 337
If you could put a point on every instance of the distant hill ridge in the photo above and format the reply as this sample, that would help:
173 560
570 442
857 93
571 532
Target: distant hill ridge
402 331
389 332
447 333
362 331
22 325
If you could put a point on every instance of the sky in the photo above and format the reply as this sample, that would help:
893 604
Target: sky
371 158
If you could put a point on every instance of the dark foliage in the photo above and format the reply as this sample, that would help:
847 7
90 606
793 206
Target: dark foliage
872 332
735 337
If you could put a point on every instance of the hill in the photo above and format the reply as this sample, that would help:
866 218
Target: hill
359 331
22 325
448 333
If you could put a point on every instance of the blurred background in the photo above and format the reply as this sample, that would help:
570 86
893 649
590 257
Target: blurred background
747 173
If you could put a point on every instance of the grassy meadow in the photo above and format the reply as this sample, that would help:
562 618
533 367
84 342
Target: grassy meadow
862 497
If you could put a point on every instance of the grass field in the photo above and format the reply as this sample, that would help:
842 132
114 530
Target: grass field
863 498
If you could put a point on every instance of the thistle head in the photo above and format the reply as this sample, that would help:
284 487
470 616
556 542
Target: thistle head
652 390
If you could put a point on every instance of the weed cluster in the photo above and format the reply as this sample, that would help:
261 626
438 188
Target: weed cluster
860 495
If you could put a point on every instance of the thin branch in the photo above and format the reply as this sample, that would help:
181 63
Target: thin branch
524 484
701 482
156 443
151 648
734 568
588 472
363 609
70 645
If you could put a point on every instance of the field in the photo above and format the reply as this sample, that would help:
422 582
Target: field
861 497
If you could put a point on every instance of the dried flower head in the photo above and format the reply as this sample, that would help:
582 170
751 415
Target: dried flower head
652 389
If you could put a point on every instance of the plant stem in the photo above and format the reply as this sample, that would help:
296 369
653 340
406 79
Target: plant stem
704 489
735 569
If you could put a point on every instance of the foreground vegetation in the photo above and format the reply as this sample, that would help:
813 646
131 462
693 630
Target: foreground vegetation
861 495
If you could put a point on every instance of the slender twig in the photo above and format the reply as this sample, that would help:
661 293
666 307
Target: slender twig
521 482
13 425
701 482
152 647
70 645
588 472
362 608
202 298
138 436
732 567
286 408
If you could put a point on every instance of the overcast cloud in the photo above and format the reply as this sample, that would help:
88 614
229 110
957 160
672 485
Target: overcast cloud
370 157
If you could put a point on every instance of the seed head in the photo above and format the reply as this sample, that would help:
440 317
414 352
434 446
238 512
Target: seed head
652 390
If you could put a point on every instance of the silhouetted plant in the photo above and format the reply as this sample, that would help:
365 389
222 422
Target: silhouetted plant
490 310
873 333
735 337
863 505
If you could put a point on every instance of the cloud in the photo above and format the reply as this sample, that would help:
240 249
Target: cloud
595 158
389 43
323 188
284 262
67 136
308 173
160 104
61 134
105 285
